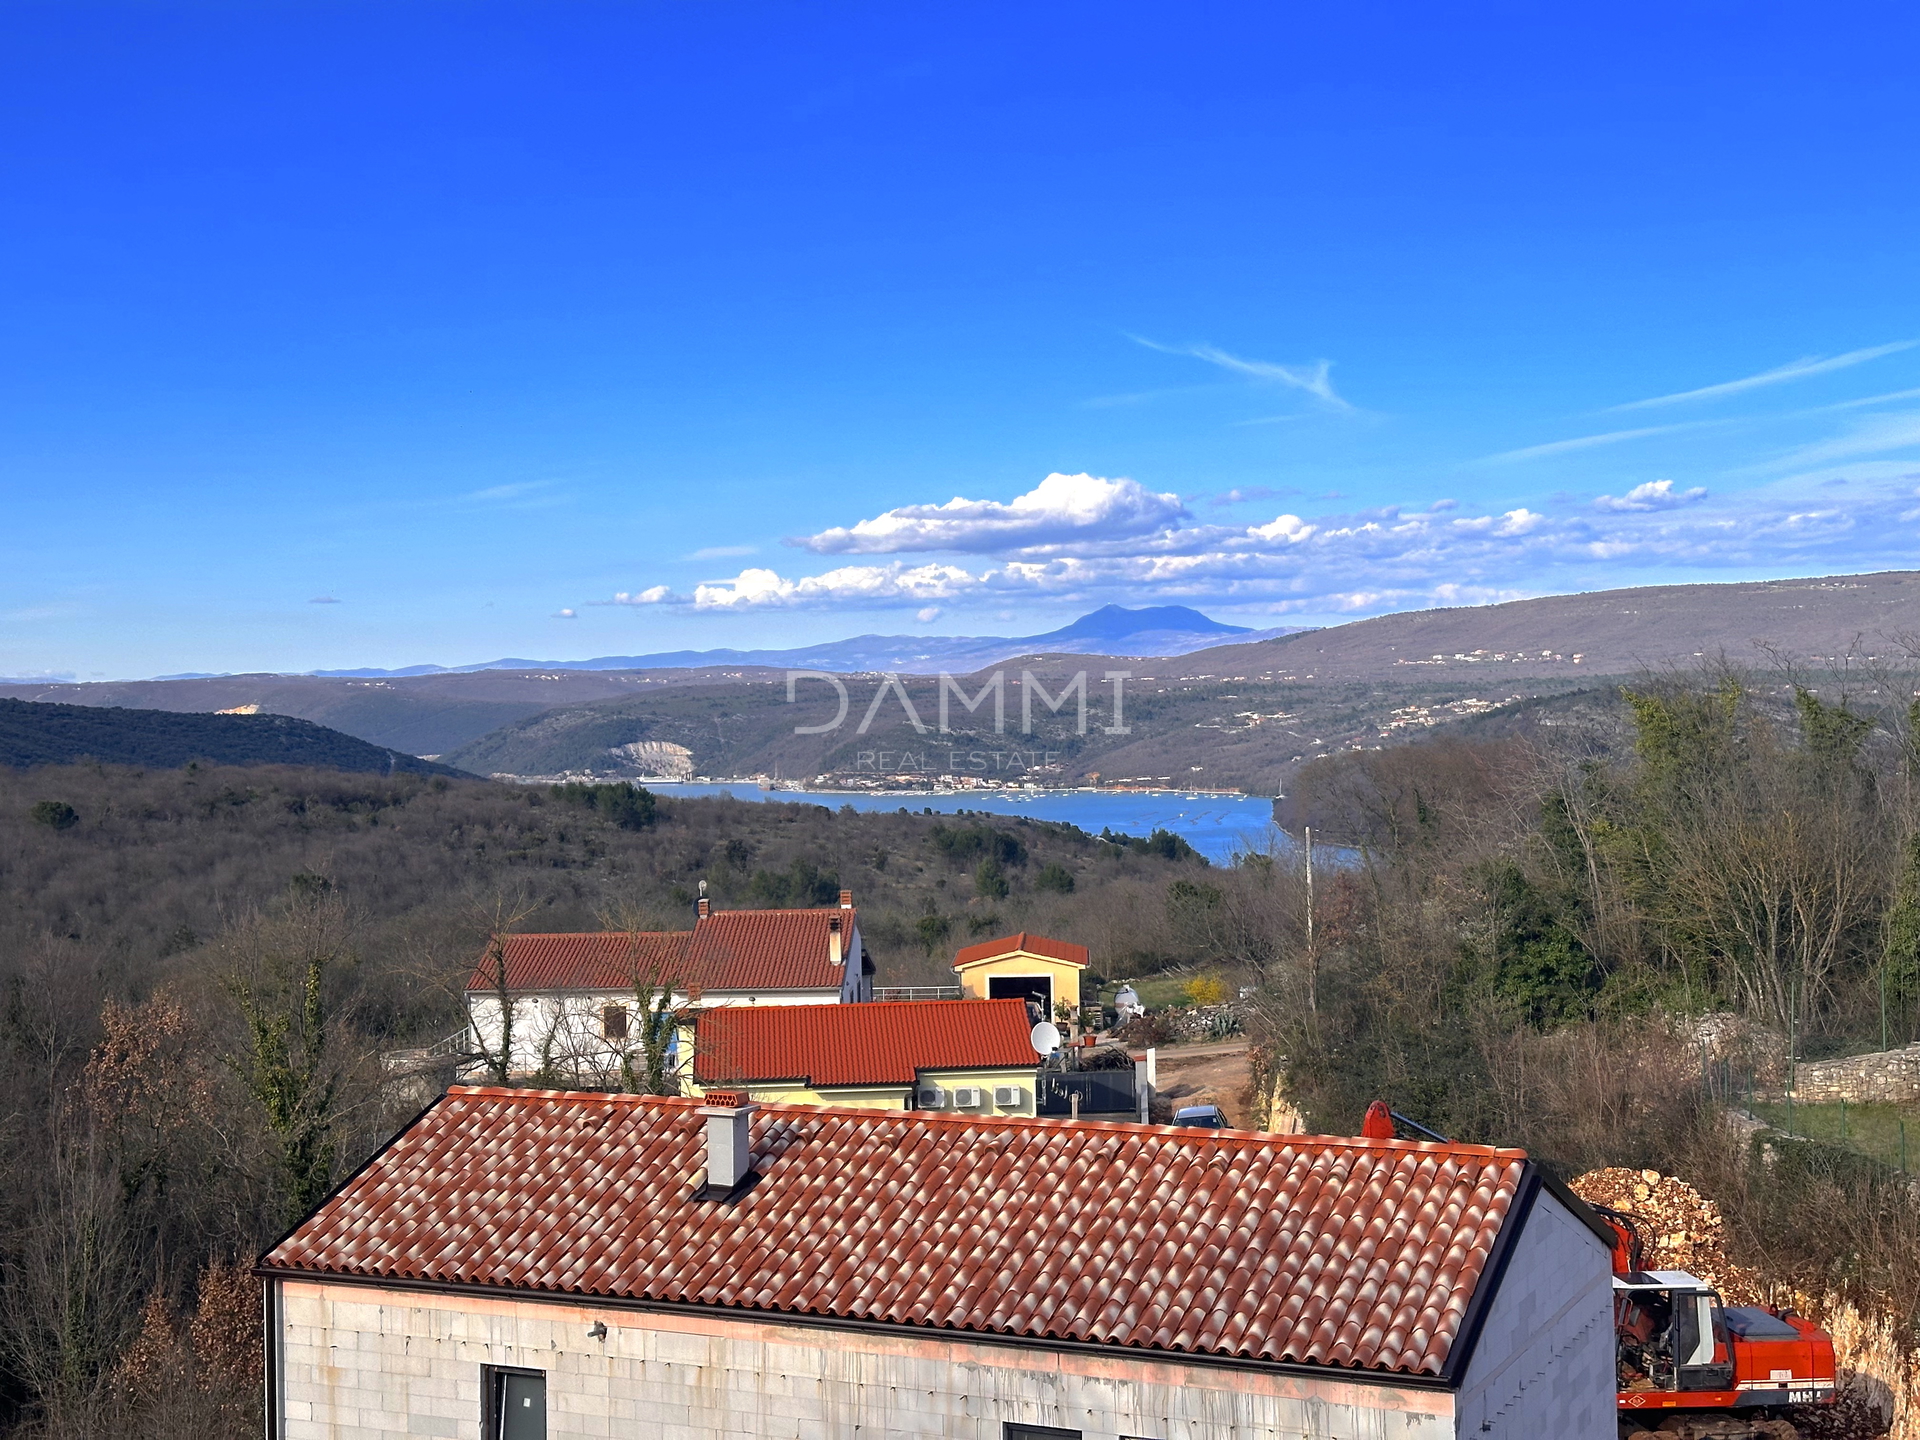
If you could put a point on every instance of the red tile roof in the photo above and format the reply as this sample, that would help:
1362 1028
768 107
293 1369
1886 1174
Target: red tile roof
1065 950
886 1043
730 950
770 949
1278 1248
607 960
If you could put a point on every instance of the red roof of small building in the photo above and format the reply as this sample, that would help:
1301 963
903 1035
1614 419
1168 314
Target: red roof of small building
591 960
886 1043
1063 950
1281 1248
729 950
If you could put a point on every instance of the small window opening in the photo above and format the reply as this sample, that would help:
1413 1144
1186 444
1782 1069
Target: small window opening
613 1022
1037 1432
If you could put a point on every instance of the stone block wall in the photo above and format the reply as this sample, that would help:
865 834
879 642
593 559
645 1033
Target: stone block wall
355 1362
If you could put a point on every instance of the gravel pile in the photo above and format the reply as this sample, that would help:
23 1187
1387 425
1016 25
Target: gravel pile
1684 1228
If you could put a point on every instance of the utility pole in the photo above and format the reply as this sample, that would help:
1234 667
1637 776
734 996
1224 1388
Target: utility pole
1309 889
1313 956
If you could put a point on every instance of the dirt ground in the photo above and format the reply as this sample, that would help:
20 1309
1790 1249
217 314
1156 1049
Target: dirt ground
1207 1075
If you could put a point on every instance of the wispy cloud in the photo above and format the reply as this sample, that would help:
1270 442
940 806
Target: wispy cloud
324 600
1874 435
519 495
723 552
1781 374
1588 442
1315 379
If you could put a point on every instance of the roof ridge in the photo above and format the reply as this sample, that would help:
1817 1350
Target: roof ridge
1240 1138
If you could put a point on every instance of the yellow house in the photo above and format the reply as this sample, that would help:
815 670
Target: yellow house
1023 967
967 1057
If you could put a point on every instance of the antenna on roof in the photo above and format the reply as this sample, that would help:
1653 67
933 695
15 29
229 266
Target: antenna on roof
1045 1038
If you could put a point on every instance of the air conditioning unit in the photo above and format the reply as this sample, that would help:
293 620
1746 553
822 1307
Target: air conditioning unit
1008 1097
933 1098
968 1097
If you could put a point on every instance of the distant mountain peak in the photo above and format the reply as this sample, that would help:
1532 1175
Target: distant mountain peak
1150 630
1116 622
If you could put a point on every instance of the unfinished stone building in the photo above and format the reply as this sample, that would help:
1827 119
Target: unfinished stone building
525 1264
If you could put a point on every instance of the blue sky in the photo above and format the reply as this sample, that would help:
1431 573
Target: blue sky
363 334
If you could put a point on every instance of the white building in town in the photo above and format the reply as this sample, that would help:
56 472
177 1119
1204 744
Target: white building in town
574 998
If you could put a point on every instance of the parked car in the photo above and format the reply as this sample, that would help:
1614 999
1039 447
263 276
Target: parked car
1205 1117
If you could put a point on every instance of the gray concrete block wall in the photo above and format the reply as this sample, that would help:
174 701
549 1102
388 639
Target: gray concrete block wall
358 1363
1545 1362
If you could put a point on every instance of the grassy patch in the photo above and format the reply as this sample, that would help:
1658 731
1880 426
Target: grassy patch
1872 1129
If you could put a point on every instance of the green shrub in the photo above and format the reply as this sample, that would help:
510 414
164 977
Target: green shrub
56 813
1055 877
990 880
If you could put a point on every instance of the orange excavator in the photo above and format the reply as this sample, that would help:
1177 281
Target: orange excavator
1691 1367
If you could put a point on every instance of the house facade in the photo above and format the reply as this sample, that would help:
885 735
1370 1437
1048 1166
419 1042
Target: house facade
1027 967
525 1264
576 1004
969 1056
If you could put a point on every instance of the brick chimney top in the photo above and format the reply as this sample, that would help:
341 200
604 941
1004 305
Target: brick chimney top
703 908
846 899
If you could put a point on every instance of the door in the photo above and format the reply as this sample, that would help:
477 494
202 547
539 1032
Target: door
1036 990
519 1408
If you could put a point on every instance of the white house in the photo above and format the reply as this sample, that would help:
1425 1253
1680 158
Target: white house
523 1264
573 998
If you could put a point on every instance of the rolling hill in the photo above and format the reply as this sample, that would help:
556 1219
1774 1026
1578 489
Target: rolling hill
1604 632
37 734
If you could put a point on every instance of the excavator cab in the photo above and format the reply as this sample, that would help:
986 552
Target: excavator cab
1672 1334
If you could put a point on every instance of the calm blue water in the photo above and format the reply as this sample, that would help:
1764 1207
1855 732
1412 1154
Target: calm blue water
1218 826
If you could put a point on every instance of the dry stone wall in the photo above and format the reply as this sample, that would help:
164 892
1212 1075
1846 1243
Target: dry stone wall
1887 1075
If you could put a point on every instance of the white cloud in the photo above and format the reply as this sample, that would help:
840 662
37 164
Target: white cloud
1060 509
850 585
1874 436
1588 442
1315 379
1391 557
927 614
566 614
723 552
1653 495
652 595
1779 375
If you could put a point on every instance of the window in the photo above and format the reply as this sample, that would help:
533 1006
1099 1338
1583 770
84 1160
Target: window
516 1404
1036 1432
613 1022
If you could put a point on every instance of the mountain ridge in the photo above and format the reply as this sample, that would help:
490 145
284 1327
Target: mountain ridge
1153 631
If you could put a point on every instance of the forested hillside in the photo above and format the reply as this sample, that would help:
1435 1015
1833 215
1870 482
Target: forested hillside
43 734
200 970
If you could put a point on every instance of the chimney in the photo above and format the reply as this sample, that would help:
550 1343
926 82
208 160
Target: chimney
833 938
729 1117
702 909
846 899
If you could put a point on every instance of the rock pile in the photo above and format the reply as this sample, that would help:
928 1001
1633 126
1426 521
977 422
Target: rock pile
1685 1230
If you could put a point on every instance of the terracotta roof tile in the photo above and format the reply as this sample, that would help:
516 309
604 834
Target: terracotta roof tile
885 1043
1304 1249
729 950
770 949
608 960
1064 950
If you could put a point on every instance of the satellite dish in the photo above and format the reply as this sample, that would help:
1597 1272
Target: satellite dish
1045 1038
